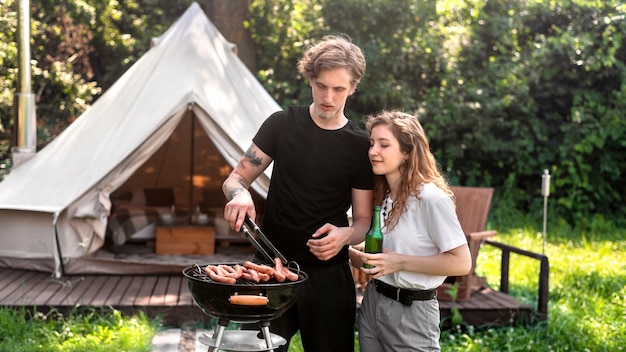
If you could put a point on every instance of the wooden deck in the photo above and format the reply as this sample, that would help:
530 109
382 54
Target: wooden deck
163 295
167 296
488 308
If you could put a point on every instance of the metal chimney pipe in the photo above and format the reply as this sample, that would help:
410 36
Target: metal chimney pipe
24 101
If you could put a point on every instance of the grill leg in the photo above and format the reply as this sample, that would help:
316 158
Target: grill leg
265 328
218 334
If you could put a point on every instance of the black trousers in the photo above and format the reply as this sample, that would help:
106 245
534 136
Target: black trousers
324 312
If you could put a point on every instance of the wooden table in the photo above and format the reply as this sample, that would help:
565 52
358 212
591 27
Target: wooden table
185 240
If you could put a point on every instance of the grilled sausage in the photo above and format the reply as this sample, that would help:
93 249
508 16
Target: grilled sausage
239 270
254 274
229 271
213 270
289 275
278 270
261 268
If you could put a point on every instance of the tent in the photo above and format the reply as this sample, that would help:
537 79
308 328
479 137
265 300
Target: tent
189 91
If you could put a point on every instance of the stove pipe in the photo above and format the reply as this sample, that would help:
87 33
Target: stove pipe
24 101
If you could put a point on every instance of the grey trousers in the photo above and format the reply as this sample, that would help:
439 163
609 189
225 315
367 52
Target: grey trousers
387 325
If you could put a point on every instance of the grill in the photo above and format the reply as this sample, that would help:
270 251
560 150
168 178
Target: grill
244 301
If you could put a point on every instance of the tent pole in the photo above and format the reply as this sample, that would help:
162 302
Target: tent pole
191 162
59 270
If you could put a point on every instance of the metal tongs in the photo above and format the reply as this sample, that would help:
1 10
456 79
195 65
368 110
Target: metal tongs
258 239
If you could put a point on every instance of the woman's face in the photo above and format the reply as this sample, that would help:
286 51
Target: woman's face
385 154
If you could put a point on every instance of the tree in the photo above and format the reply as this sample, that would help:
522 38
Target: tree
504 89
230 17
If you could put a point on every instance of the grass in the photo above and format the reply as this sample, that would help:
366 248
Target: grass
587 304
102 330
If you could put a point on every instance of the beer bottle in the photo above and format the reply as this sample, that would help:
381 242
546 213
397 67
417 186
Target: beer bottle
374 237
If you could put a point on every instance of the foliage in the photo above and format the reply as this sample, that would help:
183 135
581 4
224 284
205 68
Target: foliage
282 29
79 49
505 89
85 330
536 86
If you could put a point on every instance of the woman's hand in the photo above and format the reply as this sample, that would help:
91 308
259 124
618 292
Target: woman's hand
384 263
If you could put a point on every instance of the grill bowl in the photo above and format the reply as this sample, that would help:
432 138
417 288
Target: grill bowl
214 297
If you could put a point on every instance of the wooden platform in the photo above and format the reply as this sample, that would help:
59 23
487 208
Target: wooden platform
168 297
488 308
163 295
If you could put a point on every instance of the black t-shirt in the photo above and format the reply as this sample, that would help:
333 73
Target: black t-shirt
313 175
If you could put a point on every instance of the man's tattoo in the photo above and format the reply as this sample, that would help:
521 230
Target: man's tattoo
232 192
253 160
242 183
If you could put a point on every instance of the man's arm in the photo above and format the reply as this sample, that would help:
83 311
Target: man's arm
326 247
235 187
362 209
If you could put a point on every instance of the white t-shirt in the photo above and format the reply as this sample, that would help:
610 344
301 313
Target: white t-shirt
429 226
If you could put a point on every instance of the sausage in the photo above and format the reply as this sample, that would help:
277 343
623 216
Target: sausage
213 270
261 268
246 273
216 269
265 276
255 275
239 270
223 279
279 276
289 275
229 271
278 270
247 276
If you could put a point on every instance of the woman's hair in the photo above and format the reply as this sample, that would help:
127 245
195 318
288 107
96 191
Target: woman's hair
420 166
331 53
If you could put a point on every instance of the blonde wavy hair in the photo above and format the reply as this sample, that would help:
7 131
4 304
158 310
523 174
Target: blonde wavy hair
332 52
420 167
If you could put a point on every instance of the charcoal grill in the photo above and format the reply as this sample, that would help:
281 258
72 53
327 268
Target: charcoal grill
244 301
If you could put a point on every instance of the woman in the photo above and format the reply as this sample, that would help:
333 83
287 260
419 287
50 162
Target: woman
423 240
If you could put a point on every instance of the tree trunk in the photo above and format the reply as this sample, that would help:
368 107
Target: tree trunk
229 16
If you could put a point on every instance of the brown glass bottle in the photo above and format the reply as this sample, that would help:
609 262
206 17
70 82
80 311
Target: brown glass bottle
374 237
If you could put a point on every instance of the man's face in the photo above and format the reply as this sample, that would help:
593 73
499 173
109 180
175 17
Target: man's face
331 89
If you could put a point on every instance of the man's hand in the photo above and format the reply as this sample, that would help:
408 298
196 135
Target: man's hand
328 240
235 211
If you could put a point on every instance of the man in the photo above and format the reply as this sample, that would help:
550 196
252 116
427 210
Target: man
321 168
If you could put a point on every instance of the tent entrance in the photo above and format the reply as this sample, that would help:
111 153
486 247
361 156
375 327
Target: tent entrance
189 164
180 181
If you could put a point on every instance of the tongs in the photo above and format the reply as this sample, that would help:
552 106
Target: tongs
258 239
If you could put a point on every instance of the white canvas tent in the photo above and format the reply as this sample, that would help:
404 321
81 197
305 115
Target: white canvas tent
54 208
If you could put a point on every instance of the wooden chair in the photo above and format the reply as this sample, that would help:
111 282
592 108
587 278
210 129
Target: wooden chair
472 208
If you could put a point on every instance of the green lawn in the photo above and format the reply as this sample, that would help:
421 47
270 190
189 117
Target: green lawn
90 330
587 294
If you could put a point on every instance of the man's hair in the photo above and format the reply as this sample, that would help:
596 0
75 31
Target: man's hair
334 51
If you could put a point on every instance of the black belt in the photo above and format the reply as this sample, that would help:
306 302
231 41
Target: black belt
403 295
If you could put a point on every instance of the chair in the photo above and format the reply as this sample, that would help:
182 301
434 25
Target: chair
472 208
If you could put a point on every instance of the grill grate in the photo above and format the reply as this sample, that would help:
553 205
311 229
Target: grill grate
201 275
